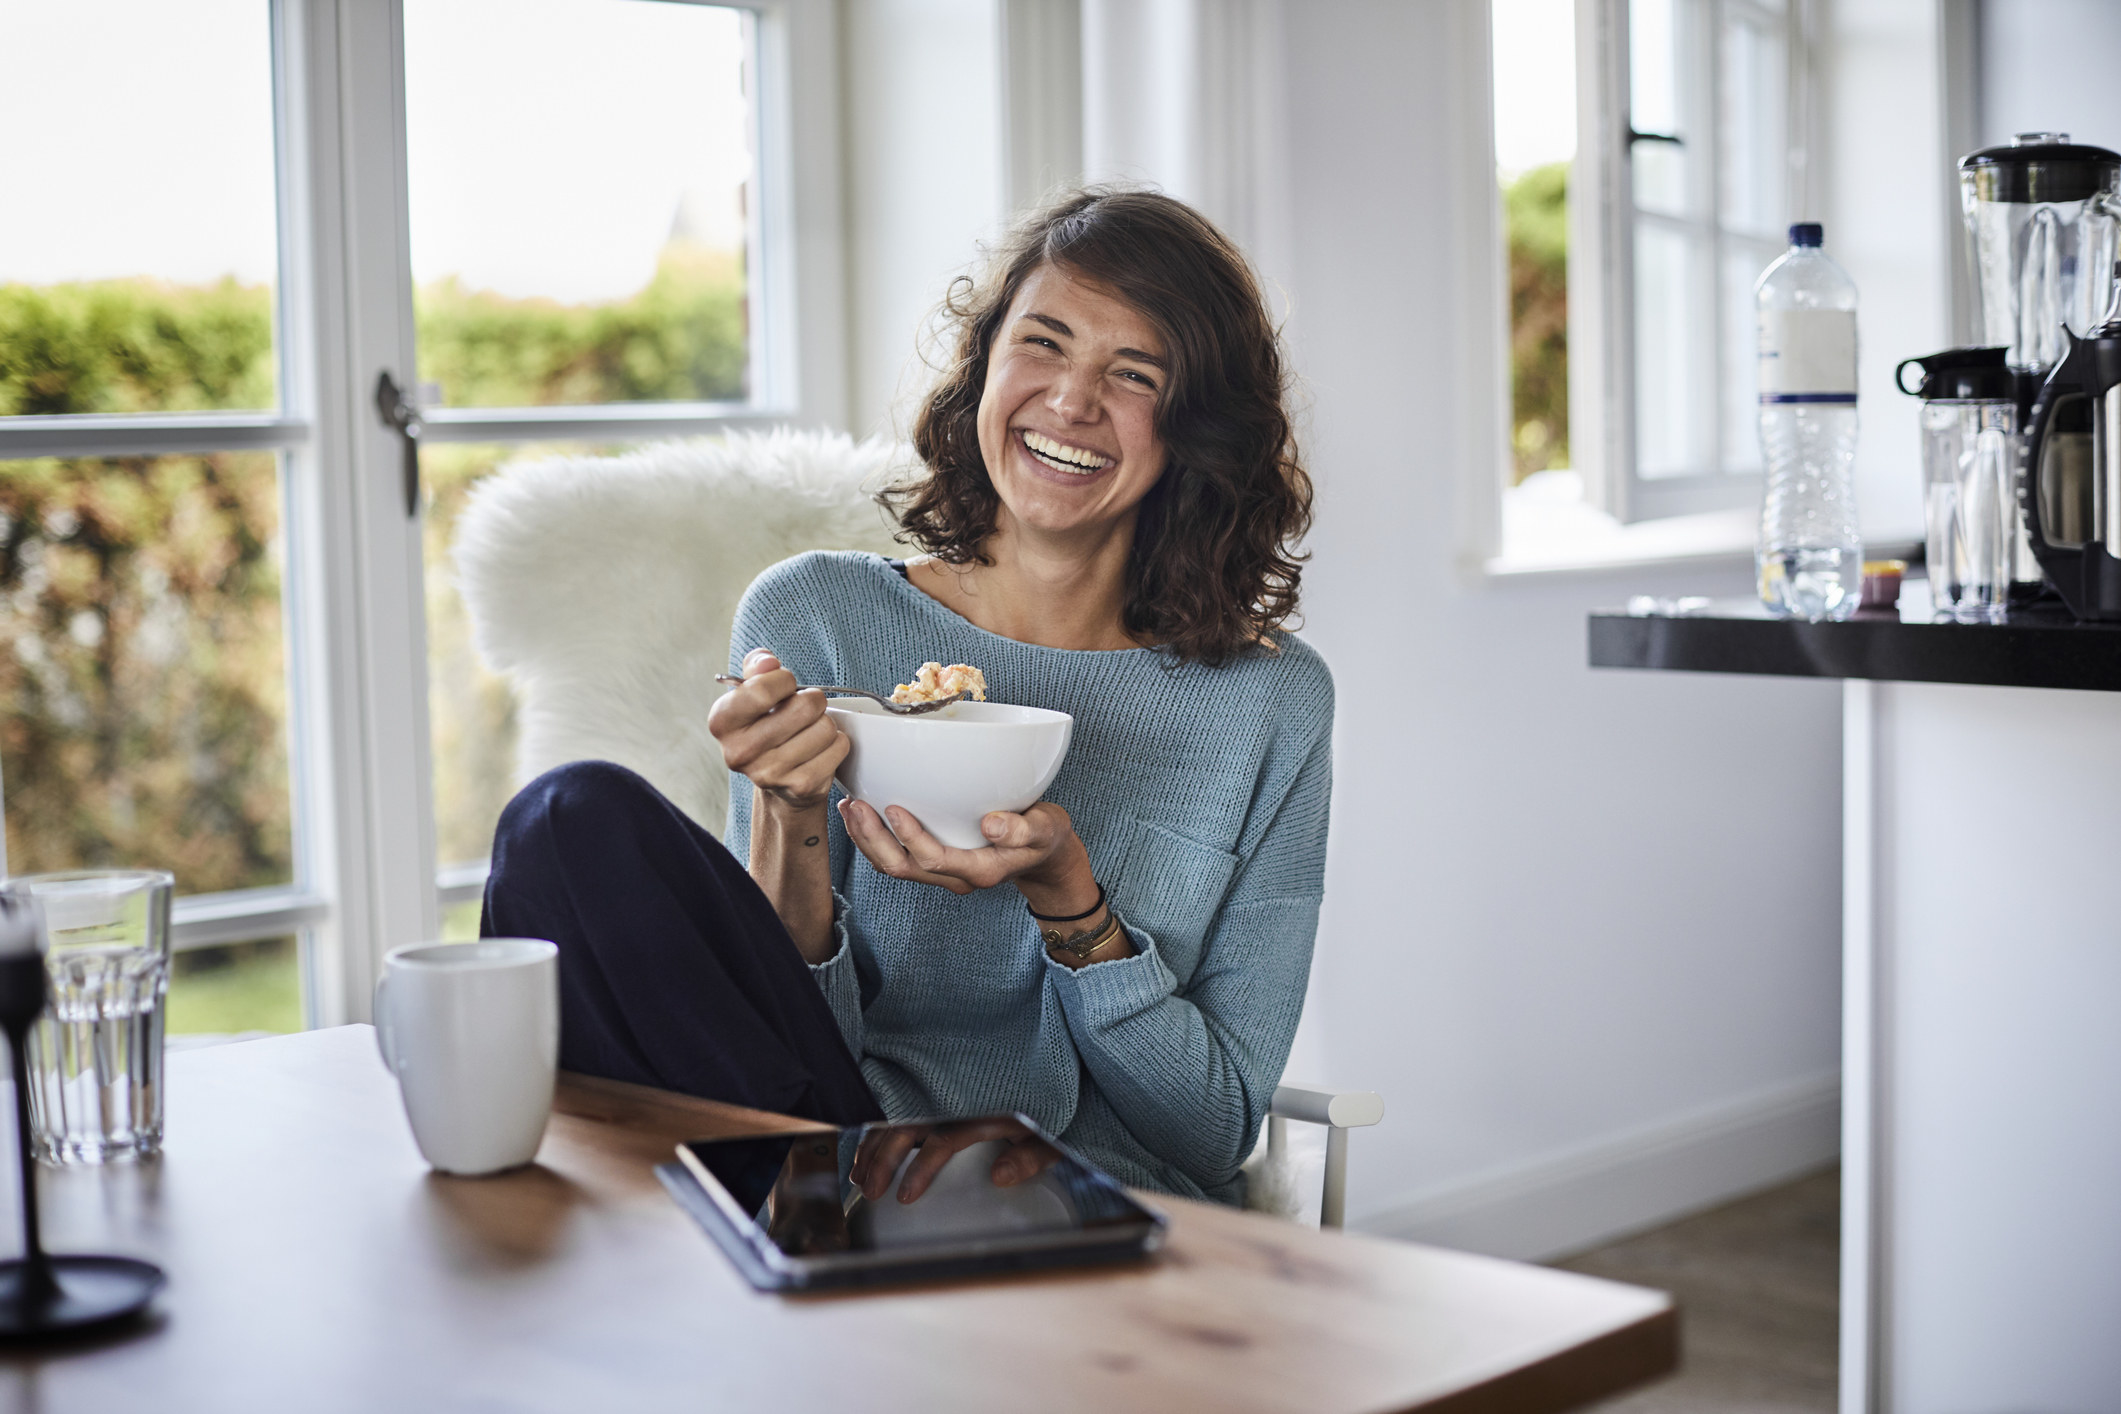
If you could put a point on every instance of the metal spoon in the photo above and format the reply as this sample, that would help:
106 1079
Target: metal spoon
897 709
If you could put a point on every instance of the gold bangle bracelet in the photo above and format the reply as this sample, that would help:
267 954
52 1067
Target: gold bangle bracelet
1083 945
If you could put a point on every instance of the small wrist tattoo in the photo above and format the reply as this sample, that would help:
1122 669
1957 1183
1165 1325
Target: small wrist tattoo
811 840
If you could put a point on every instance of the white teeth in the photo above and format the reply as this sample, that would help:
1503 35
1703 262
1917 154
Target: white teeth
1061 457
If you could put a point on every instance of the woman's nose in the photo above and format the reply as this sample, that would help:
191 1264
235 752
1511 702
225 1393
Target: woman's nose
1074 397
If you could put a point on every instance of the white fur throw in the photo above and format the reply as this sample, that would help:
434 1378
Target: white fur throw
603 588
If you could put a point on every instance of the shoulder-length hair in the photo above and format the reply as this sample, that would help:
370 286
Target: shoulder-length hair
1214 570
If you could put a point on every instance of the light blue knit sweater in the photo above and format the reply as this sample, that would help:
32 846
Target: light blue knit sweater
1201 794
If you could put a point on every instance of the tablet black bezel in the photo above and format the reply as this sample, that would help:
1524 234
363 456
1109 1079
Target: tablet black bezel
765 1266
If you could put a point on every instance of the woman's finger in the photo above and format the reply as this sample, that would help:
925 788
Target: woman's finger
883 851
1019 832
756 697
937 1150
981 868
797 760
746 741
1025 1159
885 1158
932 854
947 1140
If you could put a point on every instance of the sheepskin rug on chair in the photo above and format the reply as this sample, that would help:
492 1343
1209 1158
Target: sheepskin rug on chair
603 588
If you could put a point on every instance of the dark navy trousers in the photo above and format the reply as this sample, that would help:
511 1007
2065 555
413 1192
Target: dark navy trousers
674 969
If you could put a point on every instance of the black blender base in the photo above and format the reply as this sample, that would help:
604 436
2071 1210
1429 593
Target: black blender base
92 1291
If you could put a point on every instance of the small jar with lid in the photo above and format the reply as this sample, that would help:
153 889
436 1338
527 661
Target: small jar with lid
1969 432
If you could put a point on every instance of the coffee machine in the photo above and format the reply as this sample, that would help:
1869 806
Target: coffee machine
2069 482
2043 222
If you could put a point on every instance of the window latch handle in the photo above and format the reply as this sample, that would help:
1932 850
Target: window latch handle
401 414
1673 138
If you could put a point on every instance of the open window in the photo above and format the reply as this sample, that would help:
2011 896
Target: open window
1633 256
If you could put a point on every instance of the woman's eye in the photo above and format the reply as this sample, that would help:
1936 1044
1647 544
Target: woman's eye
1143 379
1042 341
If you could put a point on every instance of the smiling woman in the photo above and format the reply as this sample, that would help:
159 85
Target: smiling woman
1182 356
1110 500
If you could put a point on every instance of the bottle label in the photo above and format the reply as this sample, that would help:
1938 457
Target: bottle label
1807 356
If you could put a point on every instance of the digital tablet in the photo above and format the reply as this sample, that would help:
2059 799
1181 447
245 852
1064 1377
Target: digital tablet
992 1194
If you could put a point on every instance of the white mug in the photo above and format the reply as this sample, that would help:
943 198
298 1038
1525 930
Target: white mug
472 1031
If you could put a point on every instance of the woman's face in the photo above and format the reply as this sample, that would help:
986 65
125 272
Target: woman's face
1067 419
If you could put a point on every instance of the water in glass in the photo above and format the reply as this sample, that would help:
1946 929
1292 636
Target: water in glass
96 1057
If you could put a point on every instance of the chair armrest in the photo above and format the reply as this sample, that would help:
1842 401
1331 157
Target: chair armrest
1340 1111
1313 1104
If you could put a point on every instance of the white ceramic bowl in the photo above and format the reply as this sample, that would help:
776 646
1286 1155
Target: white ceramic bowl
952 767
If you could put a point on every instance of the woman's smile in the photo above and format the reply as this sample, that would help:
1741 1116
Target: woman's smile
1065 461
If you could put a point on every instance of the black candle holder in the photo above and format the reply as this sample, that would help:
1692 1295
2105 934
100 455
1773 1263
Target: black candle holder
43 1295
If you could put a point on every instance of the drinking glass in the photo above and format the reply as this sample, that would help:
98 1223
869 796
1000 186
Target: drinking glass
96 1055
1968 450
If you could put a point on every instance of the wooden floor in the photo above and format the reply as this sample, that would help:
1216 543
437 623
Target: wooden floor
1757 1283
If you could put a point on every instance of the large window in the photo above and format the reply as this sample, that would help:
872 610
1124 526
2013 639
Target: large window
145 714
232 648
1633 255
566 257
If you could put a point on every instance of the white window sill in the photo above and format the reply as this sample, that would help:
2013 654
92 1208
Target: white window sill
1548 529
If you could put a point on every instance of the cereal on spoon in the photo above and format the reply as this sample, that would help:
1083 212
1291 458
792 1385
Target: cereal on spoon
934 682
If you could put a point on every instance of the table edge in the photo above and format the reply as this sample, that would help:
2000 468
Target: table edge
1618 1362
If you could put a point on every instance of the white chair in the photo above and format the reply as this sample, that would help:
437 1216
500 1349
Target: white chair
603 590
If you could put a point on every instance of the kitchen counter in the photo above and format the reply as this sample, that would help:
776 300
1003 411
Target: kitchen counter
2034 648
1981 1065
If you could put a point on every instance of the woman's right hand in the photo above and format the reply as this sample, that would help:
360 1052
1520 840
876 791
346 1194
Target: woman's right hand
778 737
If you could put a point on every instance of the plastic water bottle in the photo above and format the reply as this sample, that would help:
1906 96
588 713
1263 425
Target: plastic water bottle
1810 556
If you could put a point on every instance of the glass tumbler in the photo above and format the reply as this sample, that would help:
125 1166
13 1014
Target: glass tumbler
1969 450
96 1055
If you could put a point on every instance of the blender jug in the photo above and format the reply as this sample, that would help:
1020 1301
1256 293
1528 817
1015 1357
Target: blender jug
1969 458
2041 218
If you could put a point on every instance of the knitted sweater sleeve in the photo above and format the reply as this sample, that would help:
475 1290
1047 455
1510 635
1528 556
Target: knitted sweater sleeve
1190 1067
767 619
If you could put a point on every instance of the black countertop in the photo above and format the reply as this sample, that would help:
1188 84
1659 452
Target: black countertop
2034 648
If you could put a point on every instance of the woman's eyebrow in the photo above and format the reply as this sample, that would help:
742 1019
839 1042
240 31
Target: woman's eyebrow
1059 328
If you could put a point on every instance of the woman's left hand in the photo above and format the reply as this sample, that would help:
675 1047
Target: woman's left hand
1038 851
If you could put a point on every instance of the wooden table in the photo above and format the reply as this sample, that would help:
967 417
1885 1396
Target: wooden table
316 1264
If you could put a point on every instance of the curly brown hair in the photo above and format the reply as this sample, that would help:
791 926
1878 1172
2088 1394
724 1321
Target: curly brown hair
1214 571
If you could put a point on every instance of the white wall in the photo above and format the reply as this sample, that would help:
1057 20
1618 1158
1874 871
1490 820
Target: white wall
2021 90
920 100
1582 928
1890 204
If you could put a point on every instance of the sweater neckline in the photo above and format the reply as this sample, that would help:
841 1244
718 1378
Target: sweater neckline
903 584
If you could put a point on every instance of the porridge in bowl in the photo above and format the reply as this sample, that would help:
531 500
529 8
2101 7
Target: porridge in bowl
948 770
934 681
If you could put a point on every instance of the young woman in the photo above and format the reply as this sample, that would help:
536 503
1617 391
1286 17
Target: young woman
1109 504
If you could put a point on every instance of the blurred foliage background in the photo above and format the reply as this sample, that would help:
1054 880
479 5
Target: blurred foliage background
143 662
1536 209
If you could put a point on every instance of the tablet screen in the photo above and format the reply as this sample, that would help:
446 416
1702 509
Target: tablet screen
884 1188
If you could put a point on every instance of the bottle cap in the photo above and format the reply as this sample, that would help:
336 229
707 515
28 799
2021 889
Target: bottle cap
1807 233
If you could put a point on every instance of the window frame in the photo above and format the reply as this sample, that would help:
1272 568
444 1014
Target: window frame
1603 221
353 604
302 907
797 375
